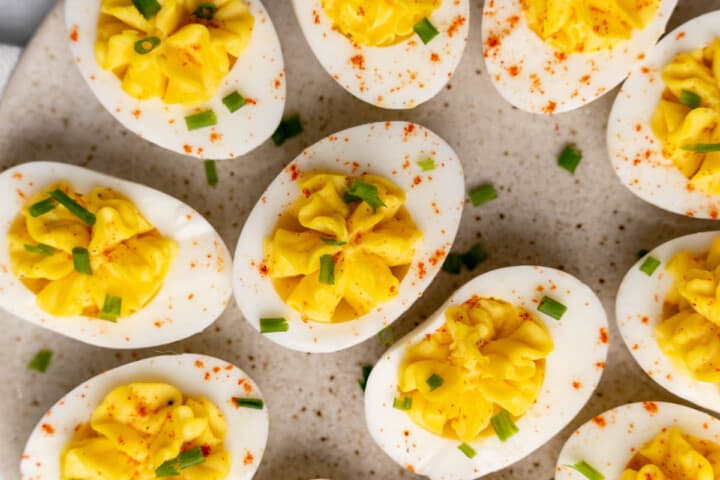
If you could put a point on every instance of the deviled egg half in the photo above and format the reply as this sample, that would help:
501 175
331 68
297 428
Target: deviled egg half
349 235
663 135
391 54
485 380
643 441
106 261
181 416
552 57
668 316
201 78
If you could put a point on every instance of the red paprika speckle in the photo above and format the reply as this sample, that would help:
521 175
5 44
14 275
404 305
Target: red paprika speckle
74 34
513 70
358 61
651 407
47 428
142 411
550 107
264 269
187 148
409 129
421 270
599 421
205 450
457 22
434 57
604 335
248 458
576 385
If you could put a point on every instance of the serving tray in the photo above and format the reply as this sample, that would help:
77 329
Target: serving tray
587 224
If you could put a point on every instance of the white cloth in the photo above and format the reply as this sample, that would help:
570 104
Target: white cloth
8 58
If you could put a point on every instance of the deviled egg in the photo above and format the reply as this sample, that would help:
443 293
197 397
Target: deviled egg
348 236
667 314
485 380
201 78
106 261
392 54
181 416
552 57
643 441
662 134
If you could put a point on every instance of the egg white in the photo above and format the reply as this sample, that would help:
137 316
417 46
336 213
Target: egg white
579 338
639 311
258 74
195 291
399 76
635 151
192 374
610 440
391 150
544 83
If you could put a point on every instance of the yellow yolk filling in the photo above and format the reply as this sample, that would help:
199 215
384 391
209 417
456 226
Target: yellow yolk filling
193 54
678 125
372 250
577 26
674 455
378 23
490 356
140 426
690 333
128 256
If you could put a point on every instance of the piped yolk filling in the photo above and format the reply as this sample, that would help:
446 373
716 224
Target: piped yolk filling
489 355
140 426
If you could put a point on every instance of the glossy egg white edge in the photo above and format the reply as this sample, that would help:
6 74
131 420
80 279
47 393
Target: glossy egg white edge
434 199
258 74
635 151
194 375
639 311
399 76
580 339
610 440
533 76
195 291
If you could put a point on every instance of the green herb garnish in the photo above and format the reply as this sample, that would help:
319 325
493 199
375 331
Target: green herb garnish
81 260
201 120
111 308
186 459
41 207
254 403
41 361
650 265
425 30
146 45
570 158
211 172
503 425
360 191
288 128
273 325
552 308
482 195
73 207
234 101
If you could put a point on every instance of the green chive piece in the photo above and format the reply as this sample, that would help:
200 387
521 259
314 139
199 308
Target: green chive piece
452 264
75 208
404 403
641 253
366 369
146 45
702 147
272 325
425 30
332 241
467 450
386 335
427 165
288 128
690 99
201 120
40 249
482 195
41 207
234 101
434 381
111 308
254 403
186 459
327 270
81 260
570 158
504 425
360 191
41 361
552 308
211 172
474 257
587 470
148 8
206 11
650 265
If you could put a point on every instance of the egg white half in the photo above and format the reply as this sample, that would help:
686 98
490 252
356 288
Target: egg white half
195 291
258 74
610 440
194 375
399 76
580 339
635 151
533 76
434 199
639 311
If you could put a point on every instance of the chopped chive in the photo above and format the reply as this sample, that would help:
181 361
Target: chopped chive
332 241
75 208
148 8
425 30
474 257
272 325
467 450
81 260
40 248
41 361
366 369
201 120
386 335
641 253
41 207
404 403
111 308
570 158
552 308
503 425
186 459
327 270
702 147
146 45
211 173
254 403
360 191
234 101
427 165
452 264
690 99
482 195
587 470
434 381
206 11
288 128
650 265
